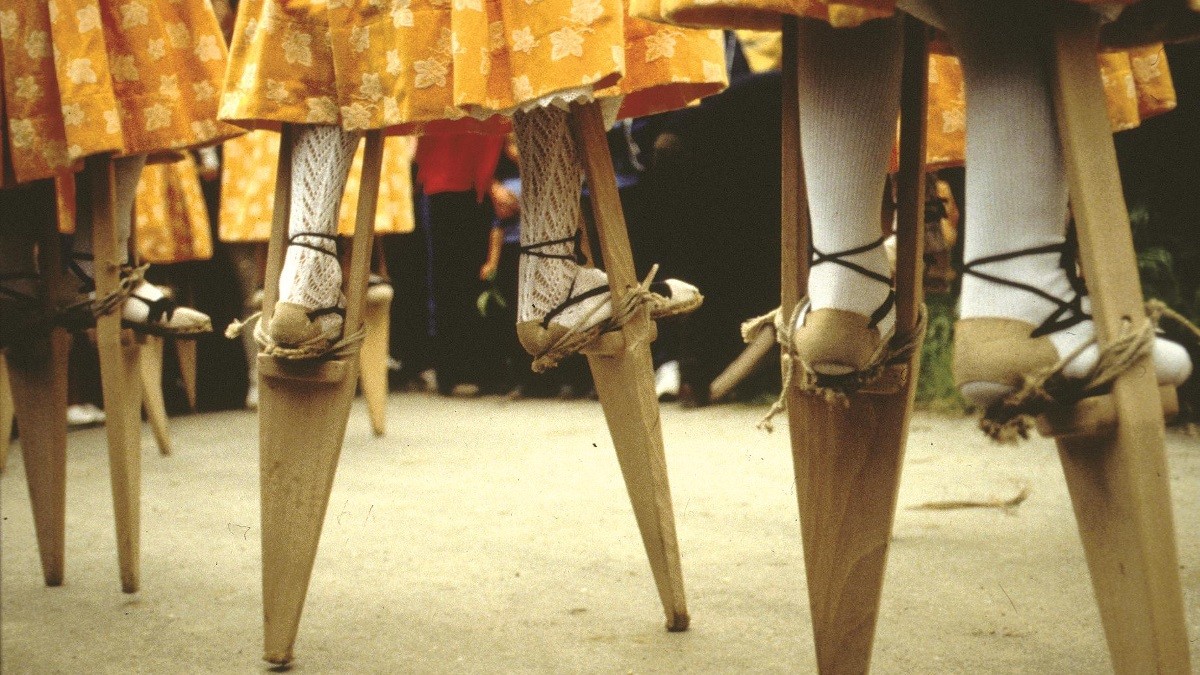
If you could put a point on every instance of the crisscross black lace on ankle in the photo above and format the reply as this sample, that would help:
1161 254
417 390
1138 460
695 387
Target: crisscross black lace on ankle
572 300
1069 312
575 240
838 258
294 240
88 283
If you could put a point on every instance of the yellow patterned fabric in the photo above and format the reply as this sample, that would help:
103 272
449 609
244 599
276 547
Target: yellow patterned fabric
765 14
367 64
248 188
83 77
171 219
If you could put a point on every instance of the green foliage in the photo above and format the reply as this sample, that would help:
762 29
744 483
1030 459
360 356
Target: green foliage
935 388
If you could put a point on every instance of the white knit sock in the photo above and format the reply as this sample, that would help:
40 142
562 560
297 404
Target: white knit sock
551 179
321 158
1016 191
849 104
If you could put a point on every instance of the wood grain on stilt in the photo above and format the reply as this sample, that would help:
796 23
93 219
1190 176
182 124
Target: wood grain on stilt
150 364
39 394
185 352
624 378
848 458
303 411
119 377
6 413
1119 482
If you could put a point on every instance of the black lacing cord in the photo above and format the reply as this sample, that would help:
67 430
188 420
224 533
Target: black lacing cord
576 254
294 240
89 284
819 257
1069 312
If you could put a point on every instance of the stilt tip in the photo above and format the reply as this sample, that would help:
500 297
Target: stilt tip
54 580
282 662
129 587
678 623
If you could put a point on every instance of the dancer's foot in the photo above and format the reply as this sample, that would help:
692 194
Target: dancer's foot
993 353
309 316
833 334
146 310
586 309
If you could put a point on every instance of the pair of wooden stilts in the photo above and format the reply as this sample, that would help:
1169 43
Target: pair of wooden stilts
848 459
304 405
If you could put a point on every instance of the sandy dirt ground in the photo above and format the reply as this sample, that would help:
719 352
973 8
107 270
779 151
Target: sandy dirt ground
493 536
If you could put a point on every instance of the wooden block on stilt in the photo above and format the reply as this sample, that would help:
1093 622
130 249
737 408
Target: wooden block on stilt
624 377
6 413
185 352
1097 416
39 394
119 378
303 414
1119 481
150 366
373 359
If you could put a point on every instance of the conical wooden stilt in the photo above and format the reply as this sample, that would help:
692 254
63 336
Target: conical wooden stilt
1118 480
303 412
119 377
185 352
624 377
848 458
373 360
6 413
150 364
39 394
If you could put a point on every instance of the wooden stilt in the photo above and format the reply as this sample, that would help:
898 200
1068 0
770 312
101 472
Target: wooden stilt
6 413
1118 480
303 411
624 377
848 458
150 365
118 374
39 394
185 352
741 367
373 361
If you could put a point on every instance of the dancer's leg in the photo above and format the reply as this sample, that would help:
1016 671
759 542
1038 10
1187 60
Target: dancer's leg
310 286
146 304
849 103
556 292
1016 214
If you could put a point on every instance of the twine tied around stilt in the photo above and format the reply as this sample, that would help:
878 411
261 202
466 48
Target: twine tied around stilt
1048 388
317 348
131 278
835 389
577 337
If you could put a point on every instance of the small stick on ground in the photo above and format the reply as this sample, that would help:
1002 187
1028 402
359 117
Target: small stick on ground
952 505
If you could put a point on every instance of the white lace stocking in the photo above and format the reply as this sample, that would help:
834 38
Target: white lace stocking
321 158
551 179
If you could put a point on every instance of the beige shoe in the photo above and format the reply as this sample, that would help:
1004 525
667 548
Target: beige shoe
297 333
992 355
591 312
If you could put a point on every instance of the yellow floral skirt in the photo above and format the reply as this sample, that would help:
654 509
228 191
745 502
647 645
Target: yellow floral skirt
248 188
171 219
369 64
83 77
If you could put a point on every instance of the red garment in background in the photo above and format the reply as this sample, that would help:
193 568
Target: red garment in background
457 162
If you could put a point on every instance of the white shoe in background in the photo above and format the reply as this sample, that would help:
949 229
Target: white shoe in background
667 381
